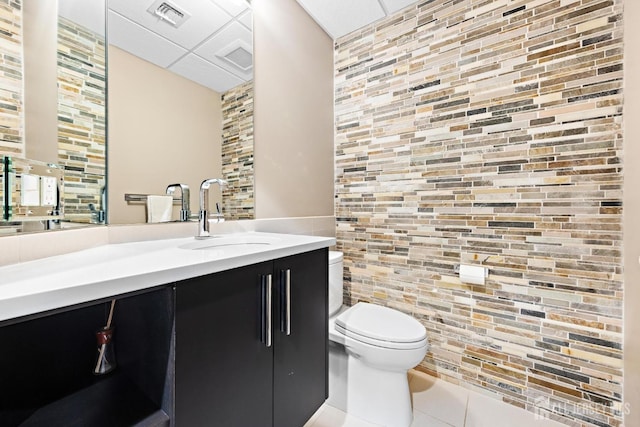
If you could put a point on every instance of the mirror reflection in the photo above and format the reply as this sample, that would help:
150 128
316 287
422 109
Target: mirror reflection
180 105
53 88
196 124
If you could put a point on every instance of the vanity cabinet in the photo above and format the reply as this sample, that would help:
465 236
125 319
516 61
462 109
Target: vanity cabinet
247 346
251 344
47 363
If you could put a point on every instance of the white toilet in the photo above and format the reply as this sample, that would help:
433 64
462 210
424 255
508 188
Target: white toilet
371 349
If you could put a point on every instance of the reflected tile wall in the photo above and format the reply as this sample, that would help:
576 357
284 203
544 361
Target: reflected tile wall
11 90
237 152
489 132
81 117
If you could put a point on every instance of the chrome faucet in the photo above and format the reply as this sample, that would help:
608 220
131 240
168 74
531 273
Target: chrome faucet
185 210
98 213
203 223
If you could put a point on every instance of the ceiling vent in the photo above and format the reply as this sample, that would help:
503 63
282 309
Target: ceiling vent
168 12
237 53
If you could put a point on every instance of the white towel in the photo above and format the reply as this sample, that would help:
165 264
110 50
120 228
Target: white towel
159 208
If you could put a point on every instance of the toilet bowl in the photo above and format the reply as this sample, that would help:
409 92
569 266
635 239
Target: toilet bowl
371 349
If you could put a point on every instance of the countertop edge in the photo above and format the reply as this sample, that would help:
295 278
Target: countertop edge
24 306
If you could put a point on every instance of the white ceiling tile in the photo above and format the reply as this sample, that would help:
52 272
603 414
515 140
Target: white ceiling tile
340 17
221 41
202 72
89 14
138 41
233 7
395 5
205 19
246 19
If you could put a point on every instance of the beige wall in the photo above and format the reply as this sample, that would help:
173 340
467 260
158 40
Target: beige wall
631 215
293 112
40 80
163 129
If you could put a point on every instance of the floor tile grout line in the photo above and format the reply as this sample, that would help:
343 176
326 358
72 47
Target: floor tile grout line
433 418
466 410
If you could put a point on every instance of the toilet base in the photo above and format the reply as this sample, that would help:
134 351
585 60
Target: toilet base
382 398
378 396
338 372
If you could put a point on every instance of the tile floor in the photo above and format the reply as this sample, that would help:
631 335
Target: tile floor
437 403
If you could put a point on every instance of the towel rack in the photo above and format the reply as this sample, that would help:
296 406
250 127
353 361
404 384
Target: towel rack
142 198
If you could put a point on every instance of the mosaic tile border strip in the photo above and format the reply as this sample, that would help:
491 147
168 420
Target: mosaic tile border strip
82 94
237 152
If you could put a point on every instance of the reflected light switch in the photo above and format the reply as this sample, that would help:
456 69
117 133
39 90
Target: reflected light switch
30 190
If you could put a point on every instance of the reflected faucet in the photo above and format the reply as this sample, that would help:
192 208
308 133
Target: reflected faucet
203 218
185 201
98 214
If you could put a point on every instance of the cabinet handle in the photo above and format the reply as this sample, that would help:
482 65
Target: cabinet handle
268 310
285 291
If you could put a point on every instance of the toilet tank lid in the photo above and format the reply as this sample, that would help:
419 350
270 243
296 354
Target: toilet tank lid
381 323
335 256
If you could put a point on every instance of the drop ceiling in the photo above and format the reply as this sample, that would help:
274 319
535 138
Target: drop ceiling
211 41
341 17
207 41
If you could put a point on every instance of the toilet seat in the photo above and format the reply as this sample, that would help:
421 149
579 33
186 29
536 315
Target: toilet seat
382 327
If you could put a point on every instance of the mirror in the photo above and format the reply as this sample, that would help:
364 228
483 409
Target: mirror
53 87
51 45
180 104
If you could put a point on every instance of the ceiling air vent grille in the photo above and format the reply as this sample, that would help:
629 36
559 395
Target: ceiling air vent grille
237 53
168 12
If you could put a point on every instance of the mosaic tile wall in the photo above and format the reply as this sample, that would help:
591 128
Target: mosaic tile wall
11 91
81 117
237 152
489 132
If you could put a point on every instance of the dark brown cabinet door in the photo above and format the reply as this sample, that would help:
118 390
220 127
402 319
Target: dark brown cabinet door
300 337
242 362
224 370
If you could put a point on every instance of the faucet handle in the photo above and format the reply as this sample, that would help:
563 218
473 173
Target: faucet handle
218 216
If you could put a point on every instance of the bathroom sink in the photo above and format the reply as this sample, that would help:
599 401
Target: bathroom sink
230 242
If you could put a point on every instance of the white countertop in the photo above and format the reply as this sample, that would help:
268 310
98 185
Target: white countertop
65 280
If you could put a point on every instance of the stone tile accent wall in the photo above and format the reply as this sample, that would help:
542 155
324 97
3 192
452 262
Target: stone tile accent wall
489 132
237 152
81 117
11 91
